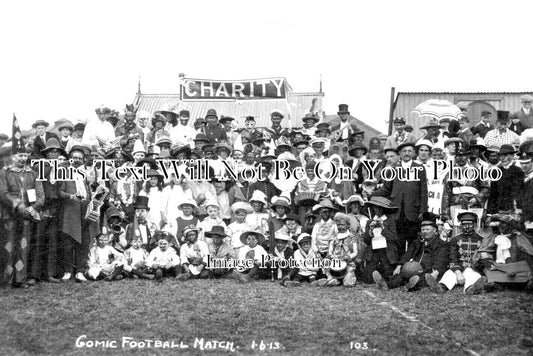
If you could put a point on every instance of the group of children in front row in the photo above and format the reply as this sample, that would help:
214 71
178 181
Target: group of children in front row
137 251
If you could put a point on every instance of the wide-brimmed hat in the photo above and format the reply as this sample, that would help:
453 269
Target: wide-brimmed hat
51 144
258 196
506 149
141 202
216 230
167 108
112 212
158 117
352 199
506 217
325 203
479 143
40 123
201 137
190 202
66 125
381 202
260 237
176 150
424 142
224 119
154 173
241 205
310 116
163 139
281 201
80 148
432 124
224 146
323 126
283 236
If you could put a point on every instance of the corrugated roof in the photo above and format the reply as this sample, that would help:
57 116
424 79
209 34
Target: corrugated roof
464 92
295 107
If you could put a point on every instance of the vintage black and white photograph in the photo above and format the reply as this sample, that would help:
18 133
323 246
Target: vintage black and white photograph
266 178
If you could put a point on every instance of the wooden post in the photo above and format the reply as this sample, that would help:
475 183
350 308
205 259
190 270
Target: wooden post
391 110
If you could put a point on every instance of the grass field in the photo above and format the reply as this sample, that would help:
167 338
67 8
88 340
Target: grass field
48 319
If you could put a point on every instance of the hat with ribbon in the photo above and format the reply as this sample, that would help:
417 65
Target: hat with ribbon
216 231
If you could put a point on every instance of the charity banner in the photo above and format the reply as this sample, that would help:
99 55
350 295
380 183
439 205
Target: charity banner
251 89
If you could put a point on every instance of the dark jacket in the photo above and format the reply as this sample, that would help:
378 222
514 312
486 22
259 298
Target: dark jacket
432 255
39 145
409 196
481 129
505 191
462 252
389 232
525 200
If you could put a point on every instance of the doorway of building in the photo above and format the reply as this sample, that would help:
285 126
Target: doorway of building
475 109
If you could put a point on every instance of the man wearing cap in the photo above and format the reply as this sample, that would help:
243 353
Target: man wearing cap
465 269
483 126
411 196
39 143
400 135
525 114
183 134
501 135
507 257
504 192
213 130
21 196
525 201
276 131
99 132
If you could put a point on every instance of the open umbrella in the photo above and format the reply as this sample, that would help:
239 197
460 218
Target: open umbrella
437 109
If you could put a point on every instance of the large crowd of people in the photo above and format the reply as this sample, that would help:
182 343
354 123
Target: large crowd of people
433 231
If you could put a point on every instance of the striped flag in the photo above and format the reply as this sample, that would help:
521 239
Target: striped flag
17 145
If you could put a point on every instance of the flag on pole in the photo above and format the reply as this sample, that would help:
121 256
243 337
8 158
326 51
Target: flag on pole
17 144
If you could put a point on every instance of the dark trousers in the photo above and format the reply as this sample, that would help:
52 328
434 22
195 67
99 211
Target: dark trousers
379 262
44 249
407 231
75 255
397 281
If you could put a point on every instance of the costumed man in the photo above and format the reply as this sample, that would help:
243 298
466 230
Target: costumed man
400 136
129 127
183 134
345 130
20 198
501 135
78 232
140 225
309 128
409 195
507 257
194 255
465 269
462 194
47 226
227 123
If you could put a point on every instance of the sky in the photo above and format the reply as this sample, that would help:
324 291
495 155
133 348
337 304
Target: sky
62 59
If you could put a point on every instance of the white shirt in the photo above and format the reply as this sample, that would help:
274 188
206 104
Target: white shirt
98 130
182 135
162 258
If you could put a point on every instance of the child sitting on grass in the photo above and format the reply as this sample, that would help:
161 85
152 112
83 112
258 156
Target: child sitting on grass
163 260
236 228
135 260
104 261
304 258
252 251
194 254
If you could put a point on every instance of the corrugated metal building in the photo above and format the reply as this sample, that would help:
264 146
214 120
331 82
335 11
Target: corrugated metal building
477 102
294 107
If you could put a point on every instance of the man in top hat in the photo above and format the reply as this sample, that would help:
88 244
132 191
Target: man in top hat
525 114
465 269
507 257
39 143
345 130
411 196
276 131
483 126
525 202
213 130
21 196
501 135
99 132
183 134
505 192
140 226
399 135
